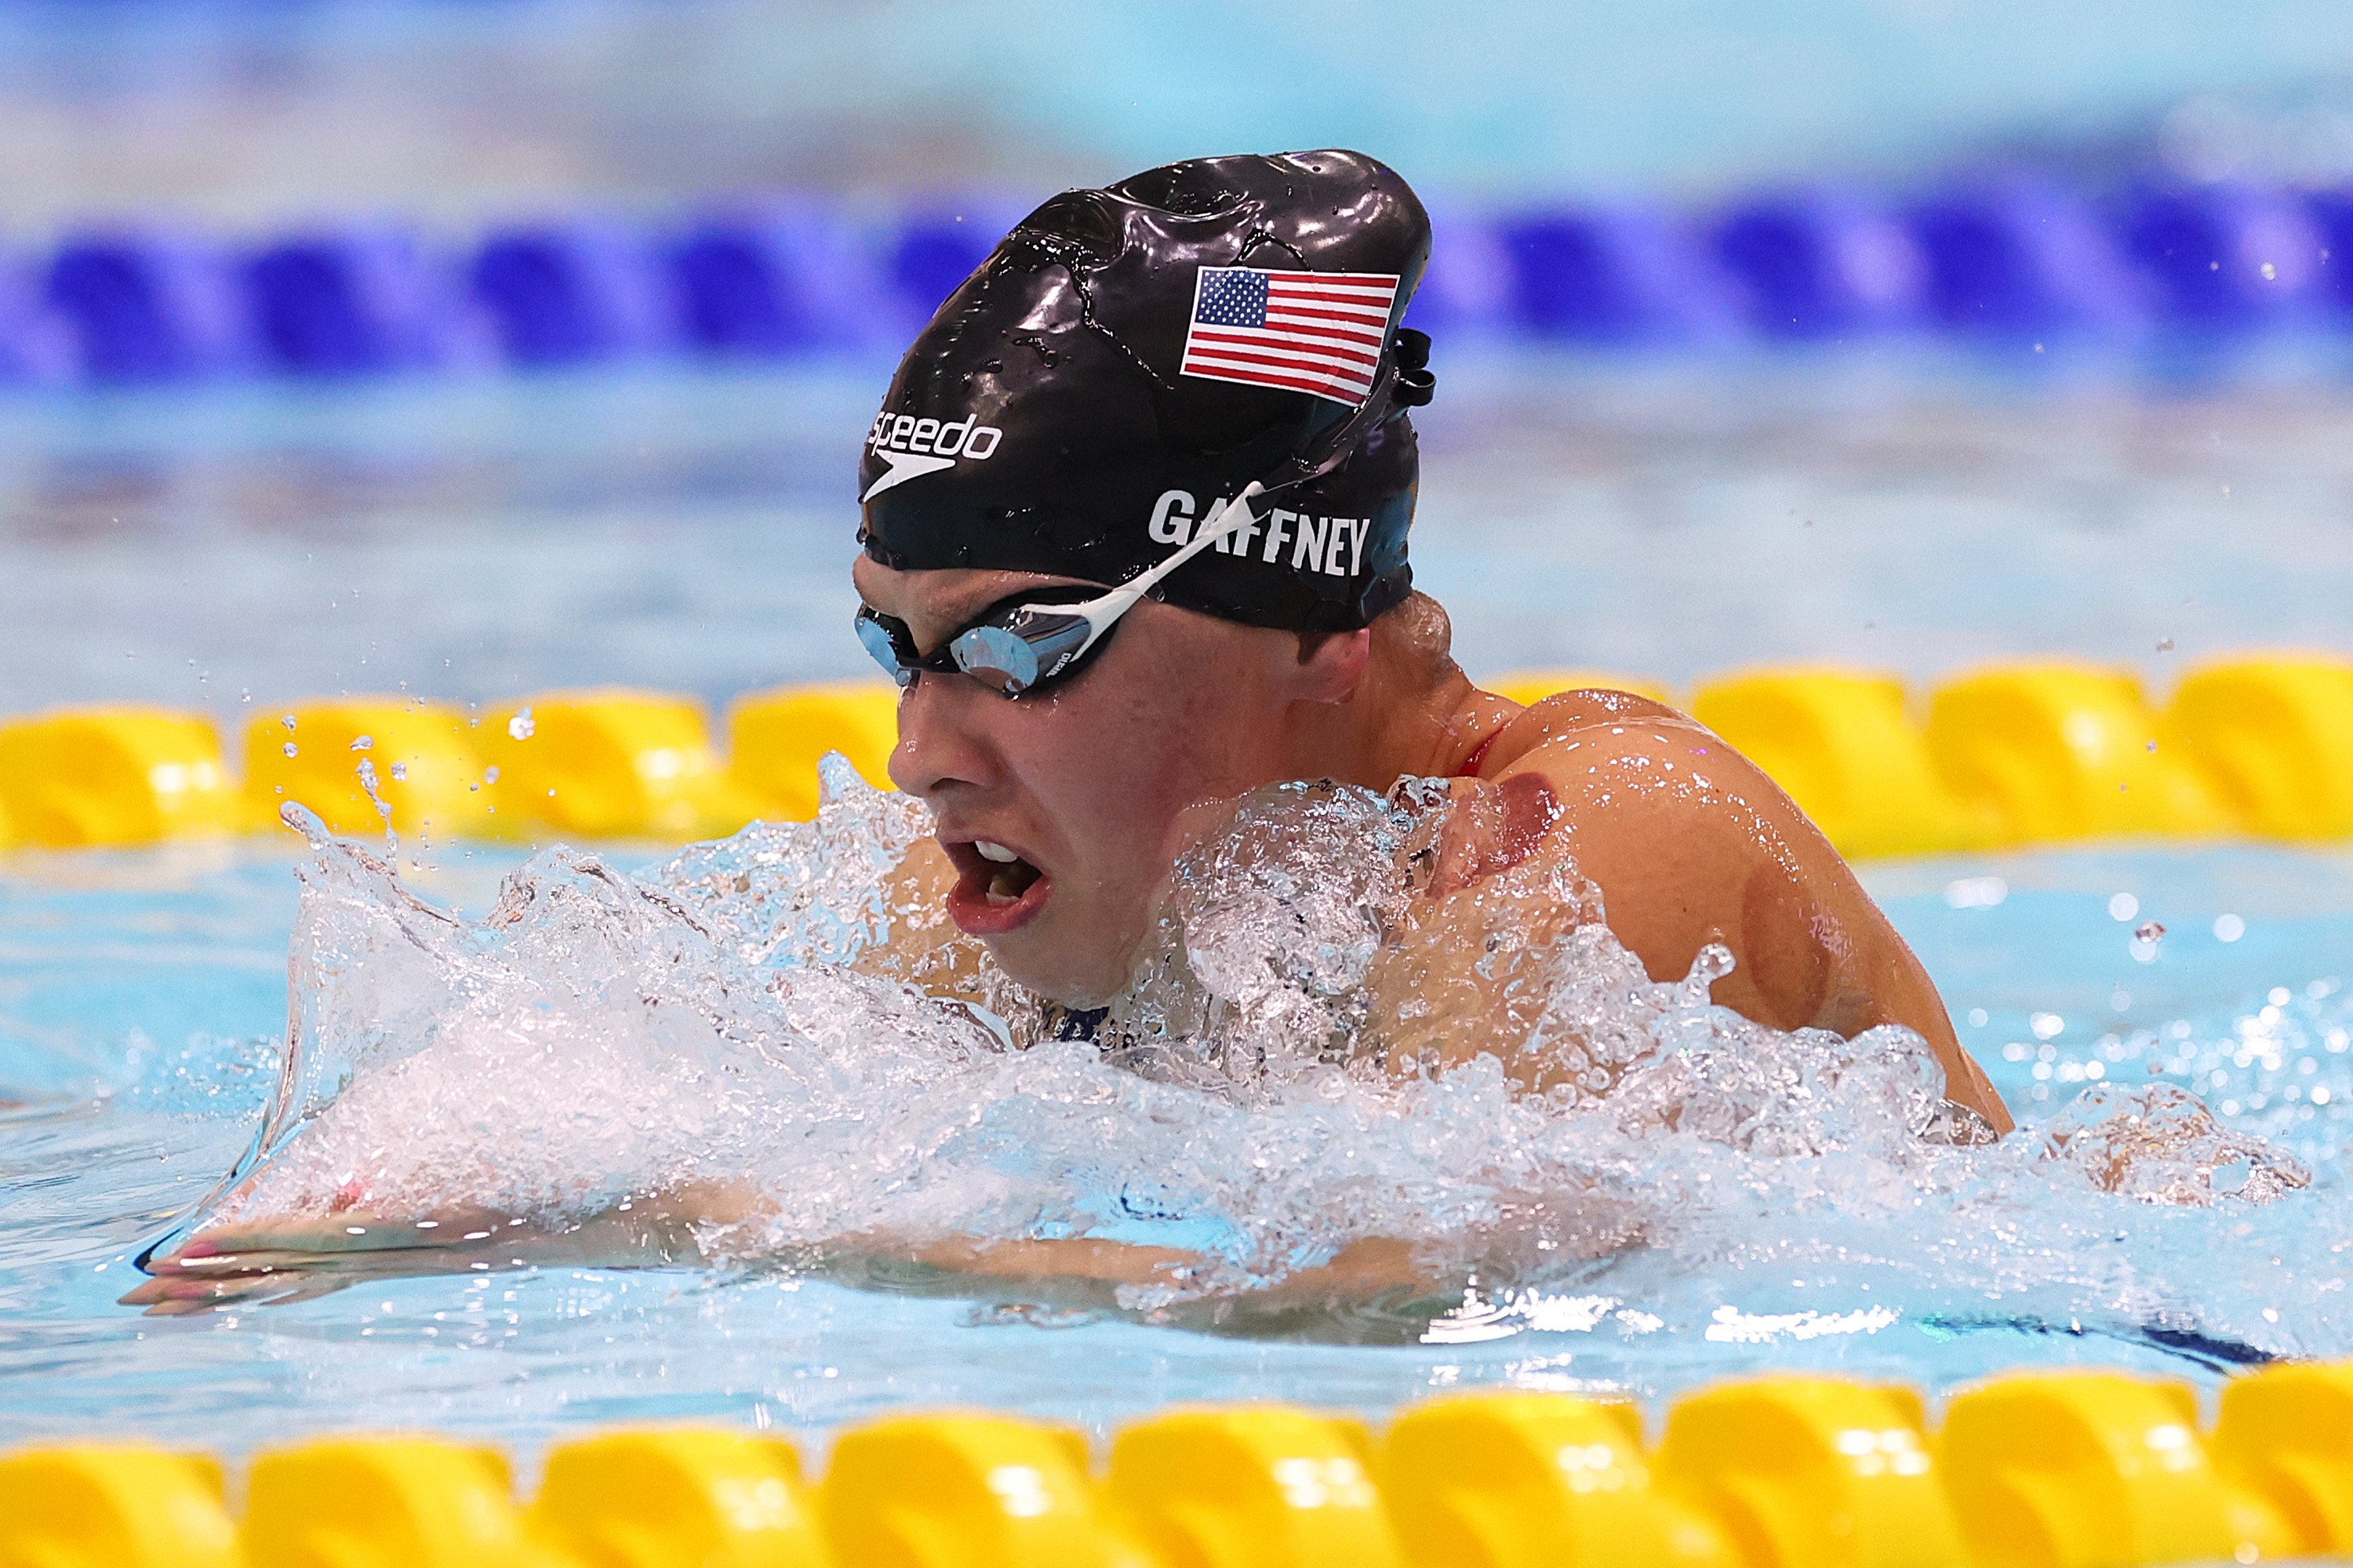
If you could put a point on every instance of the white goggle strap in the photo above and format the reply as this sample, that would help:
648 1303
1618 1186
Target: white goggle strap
1099 614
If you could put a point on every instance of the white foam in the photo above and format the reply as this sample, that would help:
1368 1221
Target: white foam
598 1036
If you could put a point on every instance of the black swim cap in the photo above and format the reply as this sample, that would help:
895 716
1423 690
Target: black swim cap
1127 359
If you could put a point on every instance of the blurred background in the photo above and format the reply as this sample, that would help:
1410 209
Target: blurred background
473 348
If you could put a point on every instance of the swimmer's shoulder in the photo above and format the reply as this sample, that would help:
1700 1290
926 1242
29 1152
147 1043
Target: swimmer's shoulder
1563 718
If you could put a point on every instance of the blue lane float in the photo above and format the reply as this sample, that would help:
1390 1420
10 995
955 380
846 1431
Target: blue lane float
739 291
147 307
1822 263
2331 213
786 278
2018 258
563 292
1622 276
1995 259
2225 258
355 301
934 251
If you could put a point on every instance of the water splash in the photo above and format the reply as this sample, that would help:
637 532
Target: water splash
732 1017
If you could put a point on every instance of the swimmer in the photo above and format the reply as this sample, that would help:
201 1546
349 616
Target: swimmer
1133 543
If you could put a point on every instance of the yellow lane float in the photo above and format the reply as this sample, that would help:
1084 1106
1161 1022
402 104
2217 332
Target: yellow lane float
611 763
1536 1480
2078 1470
942 1491
774 739
2286 1438
1821 1471
678 1499
384 1502
2051 753
2015 754
2070 1468
364 763
1840 744
113 1506
84 777
1260 1486
1529 687
2276 738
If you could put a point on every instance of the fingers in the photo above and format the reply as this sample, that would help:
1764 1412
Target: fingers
181 1296
334 1235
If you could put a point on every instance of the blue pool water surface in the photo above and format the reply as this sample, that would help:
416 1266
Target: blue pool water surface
687 529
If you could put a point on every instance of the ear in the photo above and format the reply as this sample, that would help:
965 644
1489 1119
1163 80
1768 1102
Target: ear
1332 664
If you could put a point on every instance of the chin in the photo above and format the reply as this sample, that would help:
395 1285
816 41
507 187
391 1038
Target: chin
1062 970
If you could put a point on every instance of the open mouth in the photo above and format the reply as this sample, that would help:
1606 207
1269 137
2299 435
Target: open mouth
1009 877
997 888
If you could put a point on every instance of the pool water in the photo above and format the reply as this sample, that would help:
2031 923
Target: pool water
145 994
688 528
1670 519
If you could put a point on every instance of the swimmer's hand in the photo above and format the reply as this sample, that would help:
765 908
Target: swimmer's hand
266 1262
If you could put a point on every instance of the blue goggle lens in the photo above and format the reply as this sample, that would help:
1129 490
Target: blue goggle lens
885 647
996 656
1012 649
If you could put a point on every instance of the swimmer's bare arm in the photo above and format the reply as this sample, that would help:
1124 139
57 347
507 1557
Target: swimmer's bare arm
1689 843
266 1262
294 1258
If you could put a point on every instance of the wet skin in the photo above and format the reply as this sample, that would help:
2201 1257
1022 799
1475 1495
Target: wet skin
1094 784
1098 785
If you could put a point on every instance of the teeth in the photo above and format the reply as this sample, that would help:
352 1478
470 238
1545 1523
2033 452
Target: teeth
997 853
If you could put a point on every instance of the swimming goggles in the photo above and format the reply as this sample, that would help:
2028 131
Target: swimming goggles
1031 640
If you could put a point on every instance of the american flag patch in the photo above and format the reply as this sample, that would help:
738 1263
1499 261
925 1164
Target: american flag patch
1319 333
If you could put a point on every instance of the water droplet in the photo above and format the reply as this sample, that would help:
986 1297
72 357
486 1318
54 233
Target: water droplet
2164 644
521 726
287 721
2228 927
291 748
363 743
490 774
2150 932
400 771
1975 892
2123 907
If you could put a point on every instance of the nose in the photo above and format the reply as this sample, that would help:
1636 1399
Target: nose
943 742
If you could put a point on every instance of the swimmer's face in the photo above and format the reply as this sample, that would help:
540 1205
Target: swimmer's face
1086 782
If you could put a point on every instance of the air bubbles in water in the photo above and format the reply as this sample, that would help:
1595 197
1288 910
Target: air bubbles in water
733 1023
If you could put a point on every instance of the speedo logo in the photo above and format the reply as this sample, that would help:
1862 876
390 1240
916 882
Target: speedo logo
1334 546
914 448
